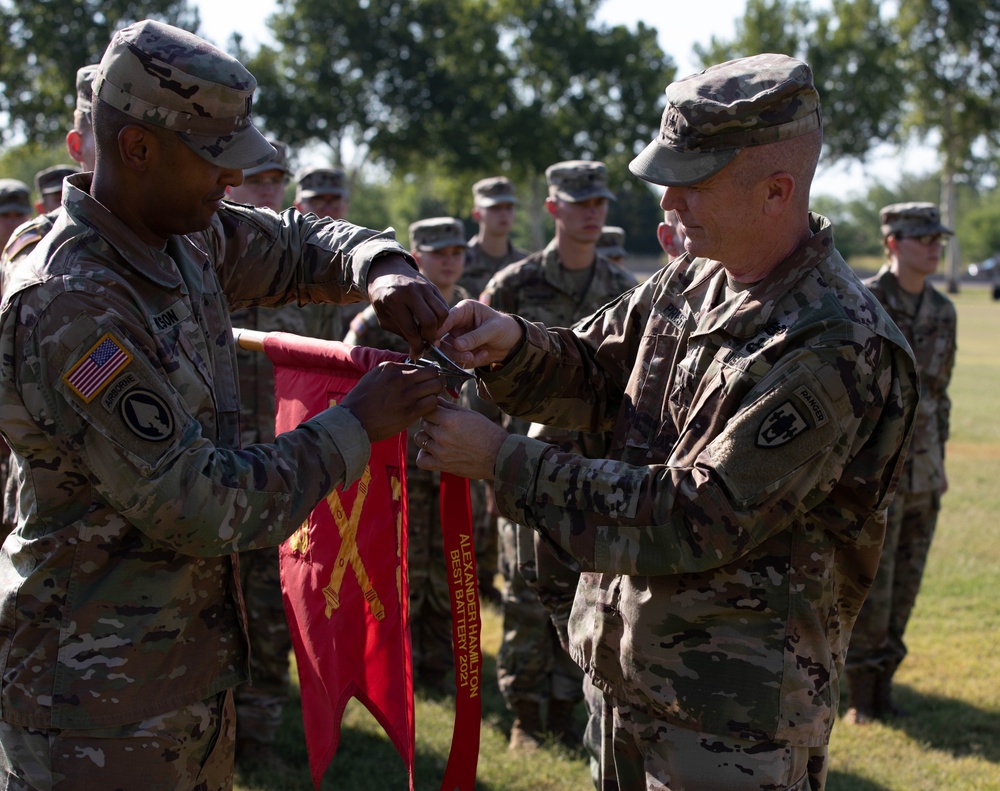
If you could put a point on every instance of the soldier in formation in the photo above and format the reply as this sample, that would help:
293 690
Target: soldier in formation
556 286
914 239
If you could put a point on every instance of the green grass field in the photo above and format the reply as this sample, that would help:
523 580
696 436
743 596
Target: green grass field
950 682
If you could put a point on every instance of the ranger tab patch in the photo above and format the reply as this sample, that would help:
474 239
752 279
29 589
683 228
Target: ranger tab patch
781 426
97 367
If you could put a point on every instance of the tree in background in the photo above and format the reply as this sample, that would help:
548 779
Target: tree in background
44 43
461 87
922 69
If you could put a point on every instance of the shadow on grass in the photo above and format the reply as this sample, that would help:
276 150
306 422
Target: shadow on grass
949 725
844 781
366 761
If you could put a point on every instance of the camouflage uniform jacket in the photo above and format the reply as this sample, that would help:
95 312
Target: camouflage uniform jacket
480 267
117 598
931 332
538 289
730 537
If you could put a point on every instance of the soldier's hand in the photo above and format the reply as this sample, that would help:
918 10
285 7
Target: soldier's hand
391 396
458 440
474 334
405 302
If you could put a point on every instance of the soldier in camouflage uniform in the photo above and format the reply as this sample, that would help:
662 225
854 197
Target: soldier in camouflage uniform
564 282
914 238
322 191
259 704
611 245
761 401
494 206
122 615
48 185
15 207
80 145
438 245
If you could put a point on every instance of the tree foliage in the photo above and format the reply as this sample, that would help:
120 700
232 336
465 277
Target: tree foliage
46 41
467 86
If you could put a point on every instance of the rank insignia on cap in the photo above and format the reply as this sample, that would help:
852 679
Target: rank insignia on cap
106 358
781 426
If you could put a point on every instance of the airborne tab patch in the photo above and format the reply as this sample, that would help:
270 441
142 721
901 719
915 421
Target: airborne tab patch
97 367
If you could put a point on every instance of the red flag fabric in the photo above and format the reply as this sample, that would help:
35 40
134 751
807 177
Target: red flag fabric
345 590
347 598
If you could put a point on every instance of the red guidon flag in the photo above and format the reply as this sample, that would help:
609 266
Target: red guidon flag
344 581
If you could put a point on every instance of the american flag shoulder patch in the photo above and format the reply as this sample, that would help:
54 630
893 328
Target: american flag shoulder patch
96 368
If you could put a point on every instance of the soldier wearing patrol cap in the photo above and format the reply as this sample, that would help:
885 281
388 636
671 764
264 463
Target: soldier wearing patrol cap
562 283
80 146
121 405
612 243
322 191
761 403
15 207
264 184
260 703
49 185
494 207
914 239
438 245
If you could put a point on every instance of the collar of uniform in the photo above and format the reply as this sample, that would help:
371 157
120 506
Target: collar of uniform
553 269
895 299
755 310
146 261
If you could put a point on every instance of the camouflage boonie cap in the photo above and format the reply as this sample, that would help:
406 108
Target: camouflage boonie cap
14 197
612 241
311 182
911 219
172 79
578 180
278 162
711 115
51 179
492 191
437 233
85 87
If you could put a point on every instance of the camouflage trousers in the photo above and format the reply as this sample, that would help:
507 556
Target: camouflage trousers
260 702
532 664
188 749
641 753
430 602
877 639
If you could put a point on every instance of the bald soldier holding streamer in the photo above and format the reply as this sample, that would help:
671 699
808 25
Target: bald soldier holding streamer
761 402
123 629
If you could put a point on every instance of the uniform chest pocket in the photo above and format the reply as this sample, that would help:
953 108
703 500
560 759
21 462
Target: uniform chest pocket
649 422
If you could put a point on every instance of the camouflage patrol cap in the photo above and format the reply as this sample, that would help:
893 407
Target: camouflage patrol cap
172 79
50 179
493 191
437 233
311 182
278 162
14 197
578 180
712 115
85 87
611 242
911 219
